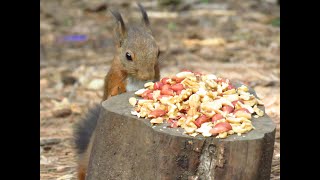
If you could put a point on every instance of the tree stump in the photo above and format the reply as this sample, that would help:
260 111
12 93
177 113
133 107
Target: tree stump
128 147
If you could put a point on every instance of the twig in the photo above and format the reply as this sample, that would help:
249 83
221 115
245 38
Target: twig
49 96
73 91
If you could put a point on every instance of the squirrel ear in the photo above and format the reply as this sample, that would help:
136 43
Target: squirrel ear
120 30
145 19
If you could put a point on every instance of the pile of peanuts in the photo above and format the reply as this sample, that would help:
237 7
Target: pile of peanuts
198 103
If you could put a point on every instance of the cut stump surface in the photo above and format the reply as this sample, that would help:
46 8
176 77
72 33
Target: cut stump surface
128 147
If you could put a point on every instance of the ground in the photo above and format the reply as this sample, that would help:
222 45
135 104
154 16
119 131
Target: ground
239 40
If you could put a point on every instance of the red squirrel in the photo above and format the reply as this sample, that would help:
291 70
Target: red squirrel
135 63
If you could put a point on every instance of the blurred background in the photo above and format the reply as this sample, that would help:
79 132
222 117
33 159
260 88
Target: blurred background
239 40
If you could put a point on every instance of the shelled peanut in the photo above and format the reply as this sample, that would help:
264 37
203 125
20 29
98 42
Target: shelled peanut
198 103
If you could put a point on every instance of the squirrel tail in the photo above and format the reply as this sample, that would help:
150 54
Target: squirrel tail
84 128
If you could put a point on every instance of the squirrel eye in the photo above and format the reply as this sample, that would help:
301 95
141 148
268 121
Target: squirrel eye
158 53
128 56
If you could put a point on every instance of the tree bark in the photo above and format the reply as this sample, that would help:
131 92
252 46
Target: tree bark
127 147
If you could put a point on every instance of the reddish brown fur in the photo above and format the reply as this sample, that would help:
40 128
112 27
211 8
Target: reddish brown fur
145 66
114 83
81 173
84 160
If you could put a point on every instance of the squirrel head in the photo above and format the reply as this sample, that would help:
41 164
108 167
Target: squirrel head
136 47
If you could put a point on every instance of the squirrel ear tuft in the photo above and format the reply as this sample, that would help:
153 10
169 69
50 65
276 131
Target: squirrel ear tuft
121 28
145 18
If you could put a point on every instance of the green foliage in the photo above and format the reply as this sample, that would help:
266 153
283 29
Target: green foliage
169 2
68 22
276 22
205 1
172 26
